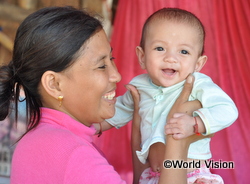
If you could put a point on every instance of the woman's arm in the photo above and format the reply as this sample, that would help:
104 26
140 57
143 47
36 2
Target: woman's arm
138 167
178 149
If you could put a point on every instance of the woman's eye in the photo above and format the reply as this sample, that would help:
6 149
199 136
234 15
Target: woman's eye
112 59
103 67
184 52
159 49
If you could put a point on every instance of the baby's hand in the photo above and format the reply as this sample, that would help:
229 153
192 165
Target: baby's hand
180 126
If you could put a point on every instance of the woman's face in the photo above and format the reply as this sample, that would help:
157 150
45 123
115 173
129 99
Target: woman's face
88 86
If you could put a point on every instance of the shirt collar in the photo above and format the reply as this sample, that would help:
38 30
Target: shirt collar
166 90
55 117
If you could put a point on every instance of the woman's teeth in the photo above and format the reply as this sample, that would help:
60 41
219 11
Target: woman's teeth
109 96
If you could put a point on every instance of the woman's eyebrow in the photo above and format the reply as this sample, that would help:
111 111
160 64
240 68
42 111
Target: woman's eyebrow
104 56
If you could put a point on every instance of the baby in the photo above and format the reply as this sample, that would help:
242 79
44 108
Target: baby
171 48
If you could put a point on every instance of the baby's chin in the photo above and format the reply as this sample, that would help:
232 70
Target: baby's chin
170 83
170 79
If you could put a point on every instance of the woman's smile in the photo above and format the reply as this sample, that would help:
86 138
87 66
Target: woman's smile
110 96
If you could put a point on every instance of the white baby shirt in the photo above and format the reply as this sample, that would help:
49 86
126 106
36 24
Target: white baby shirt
218 111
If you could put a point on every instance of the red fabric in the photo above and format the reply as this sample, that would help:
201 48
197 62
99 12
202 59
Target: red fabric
227 25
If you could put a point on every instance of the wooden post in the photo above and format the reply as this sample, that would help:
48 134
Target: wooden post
28 4
92 5
6 41
13 13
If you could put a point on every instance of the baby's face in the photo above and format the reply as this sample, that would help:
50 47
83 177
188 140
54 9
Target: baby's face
172 52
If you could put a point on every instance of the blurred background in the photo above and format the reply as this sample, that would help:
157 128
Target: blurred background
227 25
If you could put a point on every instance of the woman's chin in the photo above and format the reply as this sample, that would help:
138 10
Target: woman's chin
110 115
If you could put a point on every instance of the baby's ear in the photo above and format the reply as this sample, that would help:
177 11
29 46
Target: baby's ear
200 63
140 55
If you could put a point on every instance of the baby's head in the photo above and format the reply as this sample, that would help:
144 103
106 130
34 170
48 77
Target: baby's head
178 16
172 46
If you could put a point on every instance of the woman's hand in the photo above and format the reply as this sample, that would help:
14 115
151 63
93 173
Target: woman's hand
180 121
182 105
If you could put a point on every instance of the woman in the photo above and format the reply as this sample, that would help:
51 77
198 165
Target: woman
63 61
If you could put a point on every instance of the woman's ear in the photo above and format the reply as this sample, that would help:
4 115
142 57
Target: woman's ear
141 57
50 82
200 63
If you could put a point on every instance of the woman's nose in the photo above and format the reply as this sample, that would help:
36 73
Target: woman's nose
115 76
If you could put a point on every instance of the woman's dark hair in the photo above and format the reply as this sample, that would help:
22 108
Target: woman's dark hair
48 39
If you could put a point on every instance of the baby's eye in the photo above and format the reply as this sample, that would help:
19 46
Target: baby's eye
184 52
159 49
112 59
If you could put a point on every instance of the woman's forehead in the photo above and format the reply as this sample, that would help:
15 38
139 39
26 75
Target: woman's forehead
96 48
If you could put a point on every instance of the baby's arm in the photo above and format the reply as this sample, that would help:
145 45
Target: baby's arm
218 111
124 112
183 125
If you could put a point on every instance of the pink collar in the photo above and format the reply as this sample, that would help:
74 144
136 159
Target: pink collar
55 117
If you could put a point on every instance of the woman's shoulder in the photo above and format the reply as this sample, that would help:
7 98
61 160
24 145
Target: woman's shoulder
52 138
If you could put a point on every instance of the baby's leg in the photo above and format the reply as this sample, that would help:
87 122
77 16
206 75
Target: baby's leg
207 181
203 176
156 156
149 177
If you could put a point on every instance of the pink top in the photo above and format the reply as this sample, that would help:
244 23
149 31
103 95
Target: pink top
60 150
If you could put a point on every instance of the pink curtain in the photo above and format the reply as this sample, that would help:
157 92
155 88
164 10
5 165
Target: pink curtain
227 24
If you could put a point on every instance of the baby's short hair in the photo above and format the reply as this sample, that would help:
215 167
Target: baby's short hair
176 15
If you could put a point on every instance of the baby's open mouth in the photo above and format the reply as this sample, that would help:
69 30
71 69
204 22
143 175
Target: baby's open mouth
169 71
